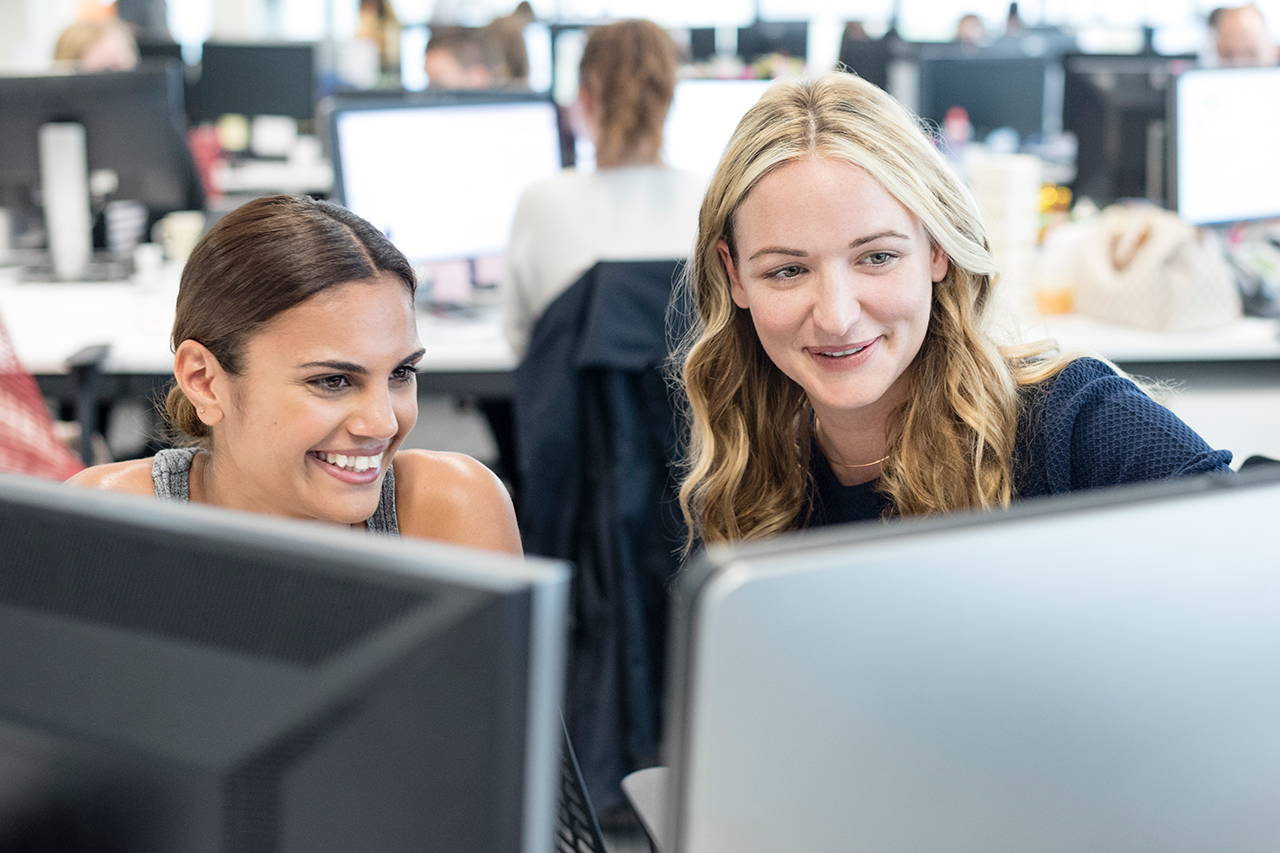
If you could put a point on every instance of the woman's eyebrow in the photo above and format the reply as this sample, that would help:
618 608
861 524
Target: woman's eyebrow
337 366
879 234
778 250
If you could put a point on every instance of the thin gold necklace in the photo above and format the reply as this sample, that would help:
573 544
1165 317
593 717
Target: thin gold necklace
817 431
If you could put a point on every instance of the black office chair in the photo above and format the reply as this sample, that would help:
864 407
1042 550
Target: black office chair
596 437
577 830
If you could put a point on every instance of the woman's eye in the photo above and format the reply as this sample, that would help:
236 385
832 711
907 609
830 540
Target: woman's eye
336 382
879 259
404 373
787 272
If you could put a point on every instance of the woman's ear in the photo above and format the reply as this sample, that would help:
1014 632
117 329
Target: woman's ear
202 380
736 290
938 263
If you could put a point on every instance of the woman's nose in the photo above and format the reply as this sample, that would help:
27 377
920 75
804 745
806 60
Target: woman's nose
837 307
376 416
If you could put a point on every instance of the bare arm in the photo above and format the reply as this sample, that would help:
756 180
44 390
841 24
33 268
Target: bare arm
450 497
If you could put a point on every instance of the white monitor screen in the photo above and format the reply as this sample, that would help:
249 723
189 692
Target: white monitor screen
703 115
442 181
1227 126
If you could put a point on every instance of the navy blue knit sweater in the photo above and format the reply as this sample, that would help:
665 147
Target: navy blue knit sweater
1084 428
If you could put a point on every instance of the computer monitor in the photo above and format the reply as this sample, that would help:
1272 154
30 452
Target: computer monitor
1224 163
258 78
441 174
178 677
997 90
1093 671
1115 105
768 37
702 117
134 126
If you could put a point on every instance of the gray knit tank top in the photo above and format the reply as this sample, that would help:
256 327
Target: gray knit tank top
171 474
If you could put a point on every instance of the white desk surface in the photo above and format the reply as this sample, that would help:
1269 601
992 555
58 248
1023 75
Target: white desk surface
49 322
1249 339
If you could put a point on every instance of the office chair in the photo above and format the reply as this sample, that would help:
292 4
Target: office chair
596 438
28 444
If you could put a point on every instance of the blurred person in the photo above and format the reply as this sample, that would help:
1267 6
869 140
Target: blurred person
1241 38
971 31
462 58
507 33
633 207
105 44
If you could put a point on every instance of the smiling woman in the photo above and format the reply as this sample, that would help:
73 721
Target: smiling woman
295 342
839 366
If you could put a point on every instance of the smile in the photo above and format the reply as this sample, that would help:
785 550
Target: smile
844 352
358 464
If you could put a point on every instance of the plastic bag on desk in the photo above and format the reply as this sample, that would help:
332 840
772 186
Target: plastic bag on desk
1142 266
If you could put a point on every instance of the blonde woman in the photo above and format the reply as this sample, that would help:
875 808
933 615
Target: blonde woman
840 368
632 207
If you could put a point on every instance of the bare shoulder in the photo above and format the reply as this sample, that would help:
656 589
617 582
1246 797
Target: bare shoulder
132 477
451 497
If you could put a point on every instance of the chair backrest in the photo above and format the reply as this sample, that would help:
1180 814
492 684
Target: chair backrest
28 444
596 438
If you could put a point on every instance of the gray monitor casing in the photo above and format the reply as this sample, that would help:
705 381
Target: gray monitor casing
1098 671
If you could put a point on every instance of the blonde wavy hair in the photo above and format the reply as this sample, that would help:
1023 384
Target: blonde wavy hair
951 445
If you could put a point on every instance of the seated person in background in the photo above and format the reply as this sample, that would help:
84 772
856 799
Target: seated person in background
98 45
508 33
840 366
462 58
295 343
1242 40
632 207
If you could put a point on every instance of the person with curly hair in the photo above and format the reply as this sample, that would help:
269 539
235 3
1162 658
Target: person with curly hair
841 364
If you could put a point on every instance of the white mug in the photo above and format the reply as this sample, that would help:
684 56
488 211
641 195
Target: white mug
178 232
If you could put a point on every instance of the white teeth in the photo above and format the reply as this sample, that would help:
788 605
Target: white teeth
353 463
844 352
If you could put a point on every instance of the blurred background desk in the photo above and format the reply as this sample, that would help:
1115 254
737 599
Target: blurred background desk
1224 382
466 358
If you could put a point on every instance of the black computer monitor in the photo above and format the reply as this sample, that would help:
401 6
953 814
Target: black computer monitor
1093 671
997 89
1115 105
868 58
768 37
440 173
1223 163
134 126
177 677
258 78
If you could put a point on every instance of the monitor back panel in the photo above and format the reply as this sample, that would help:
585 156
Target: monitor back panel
1092 678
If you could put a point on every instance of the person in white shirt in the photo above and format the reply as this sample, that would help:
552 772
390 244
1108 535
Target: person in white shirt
633 207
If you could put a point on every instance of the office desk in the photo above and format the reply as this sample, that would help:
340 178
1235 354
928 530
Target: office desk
1225 383
50 322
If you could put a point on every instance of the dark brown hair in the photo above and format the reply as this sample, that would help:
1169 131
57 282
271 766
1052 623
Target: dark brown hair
630 67
257 262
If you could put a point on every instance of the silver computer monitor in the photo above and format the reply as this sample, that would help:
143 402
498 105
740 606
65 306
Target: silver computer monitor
1224 129
702 117
1090 672
176 677
441 174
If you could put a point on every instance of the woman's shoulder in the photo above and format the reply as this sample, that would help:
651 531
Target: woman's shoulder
131 477
450 497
